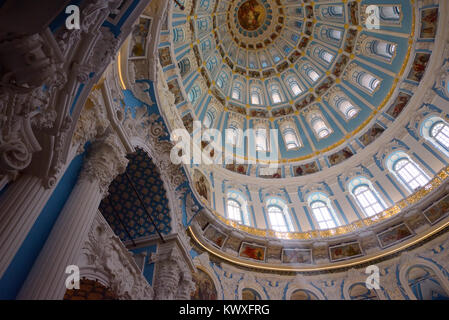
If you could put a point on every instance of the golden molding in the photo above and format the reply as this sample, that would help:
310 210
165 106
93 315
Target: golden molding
327 267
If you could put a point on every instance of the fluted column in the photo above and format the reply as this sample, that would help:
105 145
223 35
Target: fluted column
106 159
20 206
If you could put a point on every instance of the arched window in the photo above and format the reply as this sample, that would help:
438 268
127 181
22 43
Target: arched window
275 93
222 79
252 61
323 55
263 60
332 11
194 94
278 214
390 12
237 91
209 118
233 134
318 125
294 86
436 130
261 138
275 54
383 49
322 215
277 219
440 132
366 80
234 210
256 95
322 211
410 173
184 66
290 136
345 106
237 207
368 200
211 64
178 35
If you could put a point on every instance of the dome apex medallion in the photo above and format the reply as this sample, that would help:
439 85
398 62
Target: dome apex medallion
251 15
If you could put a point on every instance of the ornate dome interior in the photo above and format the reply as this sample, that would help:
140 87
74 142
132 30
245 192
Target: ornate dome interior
338 82
230 149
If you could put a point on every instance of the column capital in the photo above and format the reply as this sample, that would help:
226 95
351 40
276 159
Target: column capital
105 160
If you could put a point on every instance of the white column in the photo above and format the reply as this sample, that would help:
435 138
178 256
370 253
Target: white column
20 206
47 278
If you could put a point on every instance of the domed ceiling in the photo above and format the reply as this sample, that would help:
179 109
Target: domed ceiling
318 68
345 85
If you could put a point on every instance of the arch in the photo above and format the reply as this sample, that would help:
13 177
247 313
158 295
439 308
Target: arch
261 137
256 94
323 211
293 85
278 215
319 126
406 170
359 291
184 66
303 291
436 130
366 196
413 272
290 135
249 282
275 92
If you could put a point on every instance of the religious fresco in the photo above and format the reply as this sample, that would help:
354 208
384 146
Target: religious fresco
239 168
340 156
371 135
215 236
282 111
138 46
305 169
252 251
399 104
345 251
340 65
165 57
250 294
201 185
260 113
351 40
353 12
297 256
419 67
204 287
324 86
270 173
438 210
251 15
305 102
187 121
394 235
174 88
429 23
